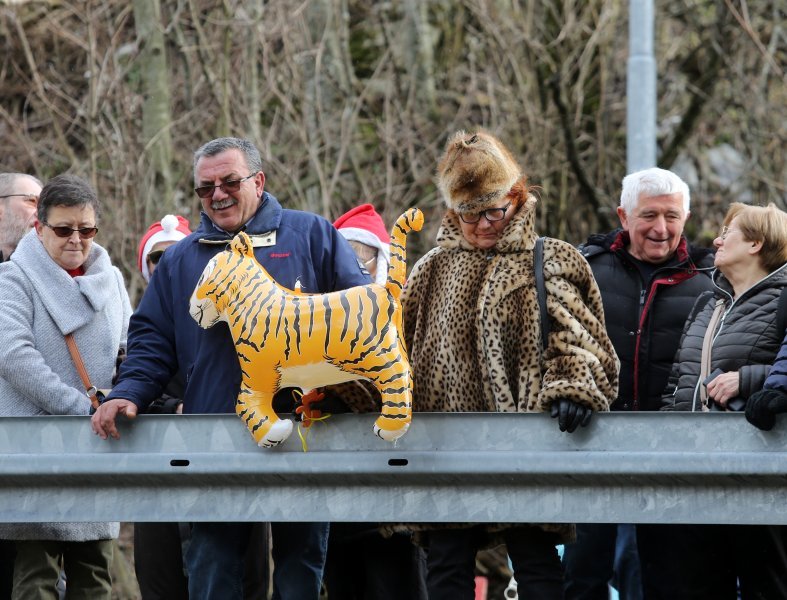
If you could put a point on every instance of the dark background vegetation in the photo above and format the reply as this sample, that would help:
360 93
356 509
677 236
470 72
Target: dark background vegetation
352 101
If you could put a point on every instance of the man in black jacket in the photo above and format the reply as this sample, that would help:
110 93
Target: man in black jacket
649 277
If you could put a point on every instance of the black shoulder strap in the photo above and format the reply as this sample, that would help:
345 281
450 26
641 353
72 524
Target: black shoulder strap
541 291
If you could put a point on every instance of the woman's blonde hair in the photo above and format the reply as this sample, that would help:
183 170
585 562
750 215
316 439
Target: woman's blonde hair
766 224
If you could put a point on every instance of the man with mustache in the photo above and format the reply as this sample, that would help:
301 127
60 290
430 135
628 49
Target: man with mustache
298 249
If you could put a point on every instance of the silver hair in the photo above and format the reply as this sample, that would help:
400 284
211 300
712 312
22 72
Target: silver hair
652 182
8 182
219 145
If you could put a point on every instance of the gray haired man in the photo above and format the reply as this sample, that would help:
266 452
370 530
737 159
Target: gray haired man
18 203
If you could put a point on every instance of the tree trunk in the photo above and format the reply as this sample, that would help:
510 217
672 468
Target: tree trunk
158 192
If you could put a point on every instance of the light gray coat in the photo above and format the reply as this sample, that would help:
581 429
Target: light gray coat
40 303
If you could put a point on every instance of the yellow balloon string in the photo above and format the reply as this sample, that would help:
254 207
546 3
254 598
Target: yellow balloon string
304 434
306 421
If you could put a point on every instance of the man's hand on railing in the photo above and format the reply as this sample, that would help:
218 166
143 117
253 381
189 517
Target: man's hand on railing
103 421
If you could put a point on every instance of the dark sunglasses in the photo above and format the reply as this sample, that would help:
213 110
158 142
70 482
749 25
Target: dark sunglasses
155 256
228 187
85 233
490 214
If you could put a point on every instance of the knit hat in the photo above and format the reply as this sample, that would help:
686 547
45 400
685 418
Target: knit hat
475 171
363 224
169 229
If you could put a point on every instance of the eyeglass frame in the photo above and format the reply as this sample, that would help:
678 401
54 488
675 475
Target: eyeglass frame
485 214
725 231
85 233
26 196
209 190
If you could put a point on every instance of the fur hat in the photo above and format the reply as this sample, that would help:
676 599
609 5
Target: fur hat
475 171
363 224
169 229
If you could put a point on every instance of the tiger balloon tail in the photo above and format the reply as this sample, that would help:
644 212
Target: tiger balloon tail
288 339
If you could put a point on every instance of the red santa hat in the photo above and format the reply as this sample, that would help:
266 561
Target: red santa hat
363 224
170 229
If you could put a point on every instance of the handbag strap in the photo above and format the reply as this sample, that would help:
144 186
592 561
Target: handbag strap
90 389
541 291
707 342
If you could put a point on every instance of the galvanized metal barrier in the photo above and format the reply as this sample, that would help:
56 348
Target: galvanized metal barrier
651 467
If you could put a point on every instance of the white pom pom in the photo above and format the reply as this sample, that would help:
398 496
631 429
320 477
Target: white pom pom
169 223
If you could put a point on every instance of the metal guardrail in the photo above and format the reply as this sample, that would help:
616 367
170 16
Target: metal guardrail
638 467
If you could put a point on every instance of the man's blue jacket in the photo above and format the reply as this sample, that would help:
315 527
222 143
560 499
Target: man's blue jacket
162 336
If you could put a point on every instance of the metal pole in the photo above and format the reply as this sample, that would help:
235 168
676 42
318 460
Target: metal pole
641 88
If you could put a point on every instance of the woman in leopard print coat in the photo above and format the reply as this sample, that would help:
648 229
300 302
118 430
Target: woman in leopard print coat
471 321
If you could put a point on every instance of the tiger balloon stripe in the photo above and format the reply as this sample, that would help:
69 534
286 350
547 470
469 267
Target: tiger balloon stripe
284 338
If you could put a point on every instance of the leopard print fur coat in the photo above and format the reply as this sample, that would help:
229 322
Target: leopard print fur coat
472 327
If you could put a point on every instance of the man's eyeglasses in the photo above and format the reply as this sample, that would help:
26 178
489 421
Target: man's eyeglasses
30 197
155 256
490 214
85 233
228 187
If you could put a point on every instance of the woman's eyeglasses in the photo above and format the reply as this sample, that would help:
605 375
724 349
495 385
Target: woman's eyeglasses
228 187
490 214
85 233
725 231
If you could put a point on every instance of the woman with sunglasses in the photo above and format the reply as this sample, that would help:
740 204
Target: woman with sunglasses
60 282
472 327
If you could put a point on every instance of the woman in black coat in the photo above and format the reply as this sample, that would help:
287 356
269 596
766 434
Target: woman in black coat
751 272
728 346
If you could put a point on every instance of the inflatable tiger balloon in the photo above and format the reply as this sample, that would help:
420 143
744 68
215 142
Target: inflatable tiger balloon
289 339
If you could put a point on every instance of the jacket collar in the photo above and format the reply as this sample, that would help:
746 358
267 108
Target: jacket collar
70 301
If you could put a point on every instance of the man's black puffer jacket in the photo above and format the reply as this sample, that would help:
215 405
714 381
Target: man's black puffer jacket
646 351
746 340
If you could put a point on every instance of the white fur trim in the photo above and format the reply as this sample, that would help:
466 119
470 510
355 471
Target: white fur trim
364 236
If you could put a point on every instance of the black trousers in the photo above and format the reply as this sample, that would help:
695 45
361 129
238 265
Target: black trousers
7 554
699 562
450 561
363 565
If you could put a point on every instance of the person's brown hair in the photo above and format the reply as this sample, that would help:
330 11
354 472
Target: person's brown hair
518 192
766 224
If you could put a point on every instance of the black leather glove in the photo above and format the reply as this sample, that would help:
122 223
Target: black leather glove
570 414
763 406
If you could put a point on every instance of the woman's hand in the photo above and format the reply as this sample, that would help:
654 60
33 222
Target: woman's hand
570 414
724 388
